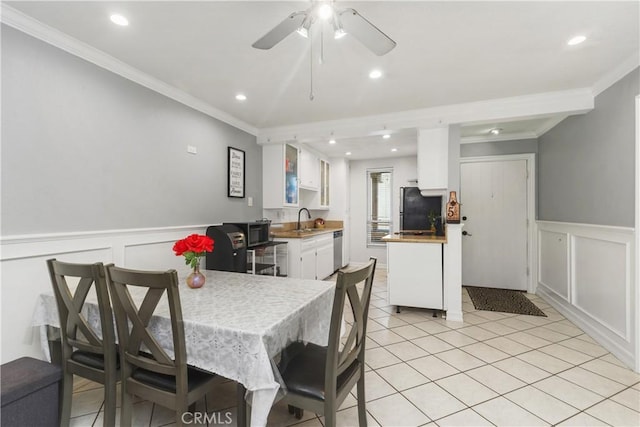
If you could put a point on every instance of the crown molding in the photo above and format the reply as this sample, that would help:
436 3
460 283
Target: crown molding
550 124
576 101
37 29
519 136
616 74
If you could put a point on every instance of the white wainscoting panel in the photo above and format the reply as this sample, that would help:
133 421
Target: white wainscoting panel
587 273
24 272
601 282
553 262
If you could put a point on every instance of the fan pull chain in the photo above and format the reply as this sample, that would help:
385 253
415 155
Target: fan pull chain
310 66
321 59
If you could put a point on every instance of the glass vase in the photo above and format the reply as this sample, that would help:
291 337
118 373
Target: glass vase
196 279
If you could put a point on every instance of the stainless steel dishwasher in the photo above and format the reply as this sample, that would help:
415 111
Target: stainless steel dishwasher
337 250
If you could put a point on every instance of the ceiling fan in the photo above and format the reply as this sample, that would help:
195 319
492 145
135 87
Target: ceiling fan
346 21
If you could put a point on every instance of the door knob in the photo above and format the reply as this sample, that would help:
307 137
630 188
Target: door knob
464 218
465 233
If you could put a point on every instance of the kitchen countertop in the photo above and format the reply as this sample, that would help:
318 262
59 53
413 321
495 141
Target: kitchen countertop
309 232
415 238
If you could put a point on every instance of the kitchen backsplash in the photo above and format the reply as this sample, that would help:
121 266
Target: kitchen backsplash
291 215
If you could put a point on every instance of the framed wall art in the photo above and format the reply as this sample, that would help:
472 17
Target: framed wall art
236 177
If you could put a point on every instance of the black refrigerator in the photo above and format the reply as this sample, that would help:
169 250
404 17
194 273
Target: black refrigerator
415 208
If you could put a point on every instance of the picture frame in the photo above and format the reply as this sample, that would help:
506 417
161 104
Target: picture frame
235 177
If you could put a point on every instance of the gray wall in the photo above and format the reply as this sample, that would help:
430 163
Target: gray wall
586 163
85 149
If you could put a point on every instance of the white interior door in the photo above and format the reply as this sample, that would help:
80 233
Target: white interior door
493 197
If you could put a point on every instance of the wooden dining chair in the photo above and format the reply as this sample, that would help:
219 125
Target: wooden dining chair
320 378
85 351
147 370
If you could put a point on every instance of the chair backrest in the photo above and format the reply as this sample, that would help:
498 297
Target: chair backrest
339 359
138 346
75 329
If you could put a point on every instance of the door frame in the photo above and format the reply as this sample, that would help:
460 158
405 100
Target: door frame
532 246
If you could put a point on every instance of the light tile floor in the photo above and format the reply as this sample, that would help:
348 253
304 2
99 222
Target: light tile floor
494 369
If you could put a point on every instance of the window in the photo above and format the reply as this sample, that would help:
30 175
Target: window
379 205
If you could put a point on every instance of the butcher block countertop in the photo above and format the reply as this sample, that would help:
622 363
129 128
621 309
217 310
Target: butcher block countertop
409 236
309 232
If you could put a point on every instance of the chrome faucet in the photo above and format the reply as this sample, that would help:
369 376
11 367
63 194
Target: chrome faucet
299 212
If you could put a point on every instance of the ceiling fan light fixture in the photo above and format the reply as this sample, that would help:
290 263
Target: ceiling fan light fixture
325 11
241 97
332 141
339 33
303 29
375 74
386 136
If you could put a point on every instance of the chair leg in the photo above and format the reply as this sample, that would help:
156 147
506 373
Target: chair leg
243 409
299 413
126 411
109 402
66 394
292 409
362 409
330 418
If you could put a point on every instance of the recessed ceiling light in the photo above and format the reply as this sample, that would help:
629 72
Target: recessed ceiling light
332 141
375 74
119 20
393 150
576 40
241 97
386 136
348 153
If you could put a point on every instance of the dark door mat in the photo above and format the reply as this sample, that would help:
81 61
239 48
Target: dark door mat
503 300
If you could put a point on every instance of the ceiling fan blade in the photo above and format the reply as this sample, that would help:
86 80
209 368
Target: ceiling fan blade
280 31
366 33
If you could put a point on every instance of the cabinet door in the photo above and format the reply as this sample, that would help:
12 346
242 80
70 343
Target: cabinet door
433 158
414 275
291 178
325 179
308 264
309 170
324 259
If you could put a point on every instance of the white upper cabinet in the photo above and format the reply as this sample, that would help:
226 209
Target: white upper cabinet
325 181
433 159
309 170
280 176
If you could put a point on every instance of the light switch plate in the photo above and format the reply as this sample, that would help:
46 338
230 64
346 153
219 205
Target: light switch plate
192 149
250 201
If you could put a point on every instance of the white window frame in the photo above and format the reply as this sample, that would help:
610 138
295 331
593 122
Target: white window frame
369 222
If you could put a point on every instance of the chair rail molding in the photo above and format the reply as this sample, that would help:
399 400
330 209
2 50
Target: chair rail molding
24 271
588 273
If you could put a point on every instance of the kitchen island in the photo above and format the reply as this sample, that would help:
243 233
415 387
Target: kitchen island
424 270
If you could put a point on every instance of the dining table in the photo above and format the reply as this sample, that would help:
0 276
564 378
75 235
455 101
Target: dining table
235 326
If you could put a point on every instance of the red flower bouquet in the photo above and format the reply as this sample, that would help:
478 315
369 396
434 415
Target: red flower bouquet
193 247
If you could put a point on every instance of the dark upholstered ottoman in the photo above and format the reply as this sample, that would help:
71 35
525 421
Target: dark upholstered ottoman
30 393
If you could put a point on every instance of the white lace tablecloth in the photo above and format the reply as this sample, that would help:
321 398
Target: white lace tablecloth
235 325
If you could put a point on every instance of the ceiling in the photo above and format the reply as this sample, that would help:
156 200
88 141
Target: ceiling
447 53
